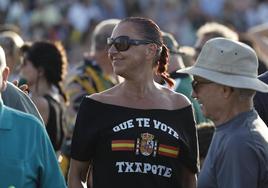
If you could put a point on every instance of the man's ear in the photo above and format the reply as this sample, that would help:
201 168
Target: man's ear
5 75
227 91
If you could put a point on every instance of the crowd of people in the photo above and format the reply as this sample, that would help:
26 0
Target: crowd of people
149 102
57 20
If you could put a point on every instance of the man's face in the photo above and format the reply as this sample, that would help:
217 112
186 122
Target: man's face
208 94
4 72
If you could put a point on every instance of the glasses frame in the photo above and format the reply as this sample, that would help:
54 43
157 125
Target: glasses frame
116 42
196 83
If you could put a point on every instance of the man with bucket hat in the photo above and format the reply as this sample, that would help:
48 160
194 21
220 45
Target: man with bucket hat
225 82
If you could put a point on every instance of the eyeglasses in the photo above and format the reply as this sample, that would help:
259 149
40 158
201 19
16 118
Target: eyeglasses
122 43
196 83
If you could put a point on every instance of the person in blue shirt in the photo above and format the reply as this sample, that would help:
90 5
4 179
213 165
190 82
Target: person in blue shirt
27 158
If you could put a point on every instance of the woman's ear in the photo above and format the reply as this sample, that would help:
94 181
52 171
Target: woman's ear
151 51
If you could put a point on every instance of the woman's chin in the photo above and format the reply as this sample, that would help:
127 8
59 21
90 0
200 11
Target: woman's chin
119 71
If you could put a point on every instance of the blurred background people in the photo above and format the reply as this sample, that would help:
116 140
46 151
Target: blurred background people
182 81
249 40
259 36
94 74
13 96
26 153
11 43
57 20
212 30
44 68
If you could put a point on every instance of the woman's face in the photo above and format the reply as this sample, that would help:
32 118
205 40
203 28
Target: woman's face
131 61
29 72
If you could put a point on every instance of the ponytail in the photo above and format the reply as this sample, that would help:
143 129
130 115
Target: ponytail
62 93
163 65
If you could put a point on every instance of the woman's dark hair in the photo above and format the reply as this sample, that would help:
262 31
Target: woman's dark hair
148 29
50 56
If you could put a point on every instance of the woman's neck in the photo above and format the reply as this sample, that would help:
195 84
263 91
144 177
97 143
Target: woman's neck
41 88
138 90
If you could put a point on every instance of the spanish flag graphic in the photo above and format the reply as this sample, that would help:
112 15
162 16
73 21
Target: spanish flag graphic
123 145
168 151
131 145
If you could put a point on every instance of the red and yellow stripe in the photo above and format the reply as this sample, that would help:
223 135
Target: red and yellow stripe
168 151
123 145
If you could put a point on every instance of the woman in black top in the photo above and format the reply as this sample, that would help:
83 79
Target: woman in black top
44 68
138 133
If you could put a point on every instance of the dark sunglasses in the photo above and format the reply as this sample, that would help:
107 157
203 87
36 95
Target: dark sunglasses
196 84
122 43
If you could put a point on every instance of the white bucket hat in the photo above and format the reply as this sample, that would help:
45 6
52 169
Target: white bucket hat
229 63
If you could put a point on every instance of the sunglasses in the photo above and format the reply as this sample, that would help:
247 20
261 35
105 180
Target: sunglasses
122 43
196 84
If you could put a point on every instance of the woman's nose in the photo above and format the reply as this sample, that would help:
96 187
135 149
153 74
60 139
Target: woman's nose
111 51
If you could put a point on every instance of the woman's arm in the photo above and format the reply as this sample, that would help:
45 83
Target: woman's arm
78 173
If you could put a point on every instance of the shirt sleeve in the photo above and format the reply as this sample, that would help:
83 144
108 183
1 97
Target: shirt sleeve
85 134
50 174
191 159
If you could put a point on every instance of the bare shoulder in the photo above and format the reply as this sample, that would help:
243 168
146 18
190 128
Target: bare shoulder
41 103
104 96
181 99
42 106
